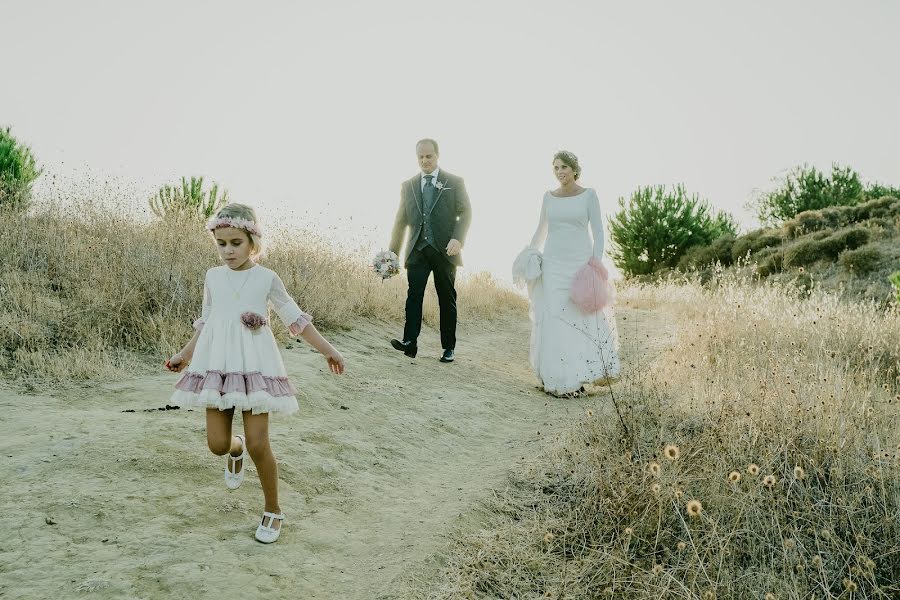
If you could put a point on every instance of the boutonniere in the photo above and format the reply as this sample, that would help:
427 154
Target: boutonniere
440 186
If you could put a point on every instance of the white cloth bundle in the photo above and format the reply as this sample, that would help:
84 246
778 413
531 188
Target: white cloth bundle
526 268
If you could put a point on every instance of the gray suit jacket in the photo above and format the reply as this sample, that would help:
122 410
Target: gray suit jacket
450 215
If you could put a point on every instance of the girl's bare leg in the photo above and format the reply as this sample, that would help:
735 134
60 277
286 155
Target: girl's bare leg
256 427
218 434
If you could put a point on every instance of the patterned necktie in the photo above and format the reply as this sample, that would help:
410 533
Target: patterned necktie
428 193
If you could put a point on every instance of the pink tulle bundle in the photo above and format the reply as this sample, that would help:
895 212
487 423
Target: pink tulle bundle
252 321
591 290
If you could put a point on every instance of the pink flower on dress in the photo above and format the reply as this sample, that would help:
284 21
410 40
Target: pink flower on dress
252 321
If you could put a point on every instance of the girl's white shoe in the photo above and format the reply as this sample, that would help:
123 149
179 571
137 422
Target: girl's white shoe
234 479
266 533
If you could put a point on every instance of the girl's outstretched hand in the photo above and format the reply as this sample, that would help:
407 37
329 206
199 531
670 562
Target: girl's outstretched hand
335 362
176 363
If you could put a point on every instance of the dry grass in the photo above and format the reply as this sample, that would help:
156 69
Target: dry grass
763 458
93 287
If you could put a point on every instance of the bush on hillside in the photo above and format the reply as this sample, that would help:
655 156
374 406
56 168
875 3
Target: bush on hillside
841 216
720 251
861 261
657 226
18 170
806 188
809 250
754 242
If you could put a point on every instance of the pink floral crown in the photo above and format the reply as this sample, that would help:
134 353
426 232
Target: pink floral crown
236 222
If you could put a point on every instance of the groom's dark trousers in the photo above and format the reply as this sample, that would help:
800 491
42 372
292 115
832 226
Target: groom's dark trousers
419 265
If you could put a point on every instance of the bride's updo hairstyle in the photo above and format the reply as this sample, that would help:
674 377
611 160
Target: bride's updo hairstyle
570 160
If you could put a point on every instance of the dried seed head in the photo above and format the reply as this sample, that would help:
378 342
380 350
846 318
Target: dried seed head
672 452
694 508
734 477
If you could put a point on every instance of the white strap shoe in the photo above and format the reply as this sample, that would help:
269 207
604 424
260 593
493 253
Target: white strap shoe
266 533
234 479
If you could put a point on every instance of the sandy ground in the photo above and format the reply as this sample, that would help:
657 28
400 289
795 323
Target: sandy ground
377 469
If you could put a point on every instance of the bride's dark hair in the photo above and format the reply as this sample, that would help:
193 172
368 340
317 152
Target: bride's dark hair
570 160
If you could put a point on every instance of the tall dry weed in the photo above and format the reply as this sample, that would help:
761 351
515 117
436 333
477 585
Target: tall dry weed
763 461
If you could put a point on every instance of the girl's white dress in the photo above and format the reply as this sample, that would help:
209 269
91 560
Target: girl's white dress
234 366
568 347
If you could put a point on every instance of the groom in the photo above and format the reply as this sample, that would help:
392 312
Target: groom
435 210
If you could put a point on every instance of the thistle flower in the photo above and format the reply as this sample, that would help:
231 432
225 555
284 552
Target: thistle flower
769 481
734 477
681 546
850 585
709 595
790 543
694 508
655 488
753 469
678 494
657 569
817 560
672 452
654 469
252 321
548 537
629 531
799 473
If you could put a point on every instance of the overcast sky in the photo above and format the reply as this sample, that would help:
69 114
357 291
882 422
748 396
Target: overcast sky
311 110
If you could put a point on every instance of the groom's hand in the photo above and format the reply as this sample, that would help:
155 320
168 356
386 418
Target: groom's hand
453 248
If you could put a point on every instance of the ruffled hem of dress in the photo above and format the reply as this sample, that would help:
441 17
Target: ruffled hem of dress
255 402
245 391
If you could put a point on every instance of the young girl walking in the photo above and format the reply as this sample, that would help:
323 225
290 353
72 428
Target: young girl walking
234 360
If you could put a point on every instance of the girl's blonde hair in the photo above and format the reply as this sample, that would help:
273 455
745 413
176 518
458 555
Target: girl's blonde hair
243 217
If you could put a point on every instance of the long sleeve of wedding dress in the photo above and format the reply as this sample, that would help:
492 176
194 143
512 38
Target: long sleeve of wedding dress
596 219
540 236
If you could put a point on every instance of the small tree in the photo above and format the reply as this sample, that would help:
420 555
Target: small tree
655 228
190 199
18 170
807 188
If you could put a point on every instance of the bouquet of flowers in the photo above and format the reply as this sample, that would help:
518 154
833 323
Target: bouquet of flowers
386 264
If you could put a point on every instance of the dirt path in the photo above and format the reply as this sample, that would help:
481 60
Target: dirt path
379 466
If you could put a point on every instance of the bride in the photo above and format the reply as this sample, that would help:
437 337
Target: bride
572 344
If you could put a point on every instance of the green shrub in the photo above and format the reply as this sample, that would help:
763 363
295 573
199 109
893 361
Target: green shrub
717 252
656 227
189 199
771 264
876 190
894 278
861 261
18 170
806 188
808 250
754 242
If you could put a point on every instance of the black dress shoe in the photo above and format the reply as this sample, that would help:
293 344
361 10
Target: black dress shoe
447 356
408 348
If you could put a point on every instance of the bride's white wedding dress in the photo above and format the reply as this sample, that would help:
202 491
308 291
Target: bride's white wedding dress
568 347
